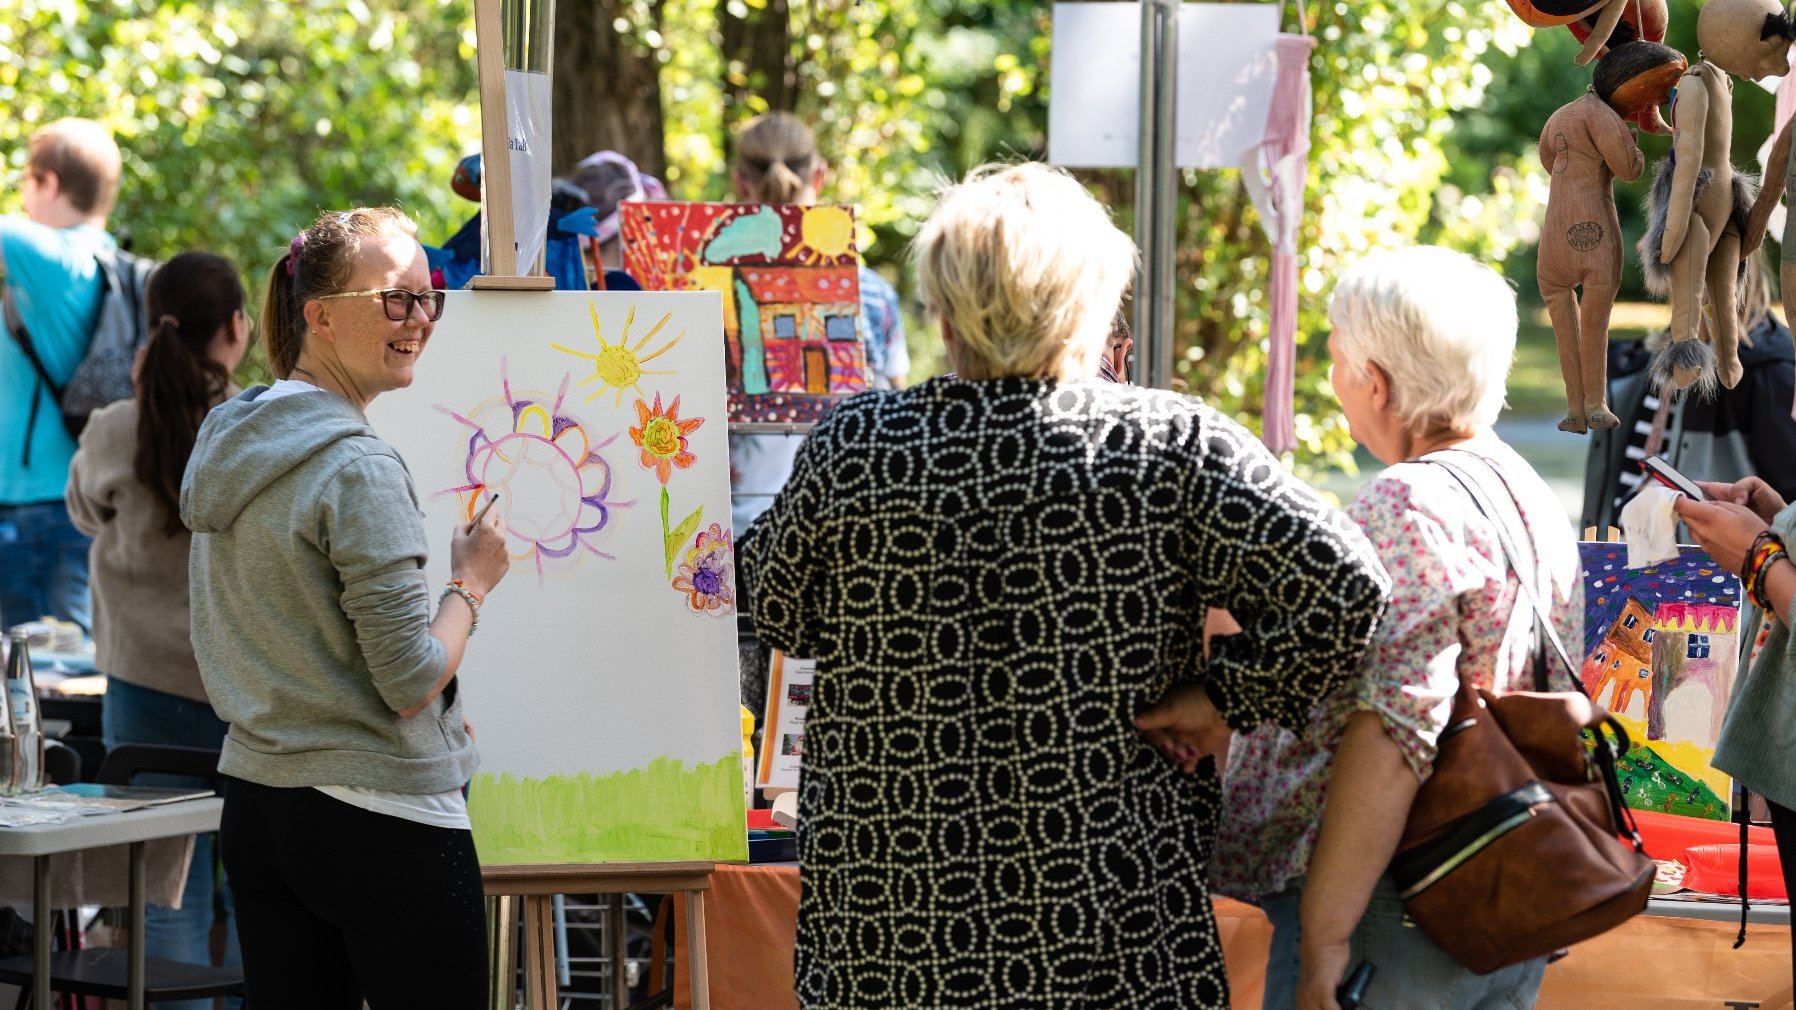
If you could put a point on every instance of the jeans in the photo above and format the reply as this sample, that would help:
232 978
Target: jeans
1413 973
135 714
43 566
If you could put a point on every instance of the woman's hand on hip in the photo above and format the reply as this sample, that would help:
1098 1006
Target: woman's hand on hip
477 554
1751 492
1724 529
1185 726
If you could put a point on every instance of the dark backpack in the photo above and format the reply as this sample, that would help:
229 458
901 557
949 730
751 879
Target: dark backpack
104 374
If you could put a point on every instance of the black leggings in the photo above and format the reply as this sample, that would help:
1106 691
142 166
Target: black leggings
1783 827
336 904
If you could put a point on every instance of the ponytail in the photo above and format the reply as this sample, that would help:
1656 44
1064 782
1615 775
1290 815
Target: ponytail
192 298
283 322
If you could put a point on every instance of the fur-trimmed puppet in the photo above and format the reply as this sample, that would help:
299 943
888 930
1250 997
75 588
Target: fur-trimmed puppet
1597 19
1697 214
1587 145
1641 21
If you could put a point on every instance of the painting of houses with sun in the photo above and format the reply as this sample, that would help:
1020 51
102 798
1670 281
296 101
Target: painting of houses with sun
1661 654
790 279
603 680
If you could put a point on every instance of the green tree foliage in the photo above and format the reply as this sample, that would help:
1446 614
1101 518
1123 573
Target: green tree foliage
240 121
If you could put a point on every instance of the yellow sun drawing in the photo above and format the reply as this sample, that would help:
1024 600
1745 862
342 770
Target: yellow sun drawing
825 234
618 366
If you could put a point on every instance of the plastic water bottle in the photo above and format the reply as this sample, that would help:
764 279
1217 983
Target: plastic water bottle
24 720
19 651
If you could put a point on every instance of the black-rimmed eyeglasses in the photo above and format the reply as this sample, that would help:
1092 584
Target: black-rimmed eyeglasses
398 302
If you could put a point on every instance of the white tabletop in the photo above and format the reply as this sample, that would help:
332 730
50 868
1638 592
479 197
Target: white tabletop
1758 915
166 820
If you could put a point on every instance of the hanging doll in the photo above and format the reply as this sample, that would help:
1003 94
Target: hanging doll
1586 145
1598 19
1700 210
1641 21
1752 38
1697 214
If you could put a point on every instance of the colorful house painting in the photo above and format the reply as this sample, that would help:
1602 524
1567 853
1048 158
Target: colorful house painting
790 279
1661 653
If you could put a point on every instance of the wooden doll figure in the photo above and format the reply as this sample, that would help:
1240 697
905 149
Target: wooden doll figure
1697 214
1641 21
1586 145
1600 19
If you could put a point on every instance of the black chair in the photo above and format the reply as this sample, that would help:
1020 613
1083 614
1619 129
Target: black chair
102 971
62 763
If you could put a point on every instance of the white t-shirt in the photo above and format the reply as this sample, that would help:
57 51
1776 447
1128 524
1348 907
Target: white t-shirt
443 810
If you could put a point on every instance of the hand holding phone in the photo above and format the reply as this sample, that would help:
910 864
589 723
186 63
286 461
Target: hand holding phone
1666 474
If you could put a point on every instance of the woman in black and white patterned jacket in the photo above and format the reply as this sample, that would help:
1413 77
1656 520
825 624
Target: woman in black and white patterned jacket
995 574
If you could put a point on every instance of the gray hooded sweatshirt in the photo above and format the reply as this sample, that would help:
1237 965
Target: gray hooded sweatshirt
310 609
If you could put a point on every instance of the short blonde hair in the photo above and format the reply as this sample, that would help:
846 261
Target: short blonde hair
84 158
1026 269
1439 323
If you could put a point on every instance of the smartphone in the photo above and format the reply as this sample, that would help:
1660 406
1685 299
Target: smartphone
1667 475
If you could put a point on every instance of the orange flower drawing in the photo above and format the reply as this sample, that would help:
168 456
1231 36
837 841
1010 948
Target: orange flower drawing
661 436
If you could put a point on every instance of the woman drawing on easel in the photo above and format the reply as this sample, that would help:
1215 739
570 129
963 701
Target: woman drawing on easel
312 625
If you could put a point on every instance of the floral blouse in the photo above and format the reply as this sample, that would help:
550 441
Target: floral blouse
1455 606
994 577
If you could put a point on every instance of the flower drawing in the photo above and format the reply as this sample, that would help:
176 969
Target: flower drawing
705 573
661 436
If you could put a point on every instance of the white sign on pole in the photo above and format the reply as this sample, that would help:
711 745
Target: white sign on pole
1227 66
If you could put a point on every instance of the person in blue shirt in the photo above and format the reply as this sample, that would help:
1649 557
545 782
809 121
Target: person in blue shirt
48 266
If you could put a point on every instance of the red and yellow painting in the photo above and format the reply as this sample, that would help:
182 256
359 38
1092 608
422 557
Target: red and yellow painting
790 278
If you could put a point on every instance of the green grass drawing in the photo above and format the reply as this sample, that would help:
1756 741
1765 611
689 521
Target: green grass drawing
668 811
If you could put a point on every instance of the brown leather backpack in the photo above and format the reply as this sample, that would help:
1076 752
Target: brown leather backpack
1518 844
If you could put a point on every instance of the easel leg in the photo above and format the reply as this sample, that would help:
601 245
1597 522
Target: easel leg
695 950
539 953
616 928
502 952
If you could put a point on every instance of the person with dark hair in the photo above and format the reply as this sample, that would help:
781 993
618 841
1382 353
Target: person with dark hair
124 491
347 750
49 260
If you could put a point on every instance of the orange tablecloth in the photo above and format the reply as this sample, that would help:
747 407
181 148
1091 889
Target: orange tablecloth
1652 963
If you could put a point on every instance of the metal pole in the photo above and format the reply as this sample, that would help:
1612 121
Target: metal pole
1145 163
1166 206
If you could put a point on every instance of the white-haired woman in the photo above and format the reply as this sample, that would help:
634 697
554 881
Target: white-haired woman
1422 342
995 572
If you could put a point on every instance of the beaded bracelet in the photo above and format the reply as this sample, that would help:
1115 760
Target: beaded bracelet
1755 587
1758 544
455 586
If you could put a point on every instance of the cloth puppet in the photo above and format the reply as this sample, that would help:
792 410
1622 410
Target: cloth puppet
1599 19
1586 145
1751 38
1641 21
1697 216
1274 172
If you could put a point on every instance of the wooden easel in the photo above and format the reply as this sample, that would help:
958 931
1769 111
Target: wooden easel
495 159
538 884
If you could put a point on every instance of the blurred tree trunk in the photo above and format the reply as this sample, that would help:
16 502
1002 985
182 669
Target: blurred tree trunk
757 60
607 87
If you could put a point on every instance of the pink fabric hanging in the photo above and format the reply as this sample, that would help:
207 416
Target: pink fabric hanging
1275 172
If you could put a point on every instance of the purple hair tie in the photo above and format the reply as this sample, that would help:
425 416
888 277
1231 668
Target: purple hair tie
299 242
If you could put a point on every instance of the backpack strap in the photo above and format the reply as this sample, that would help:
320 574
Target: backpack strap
16 328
